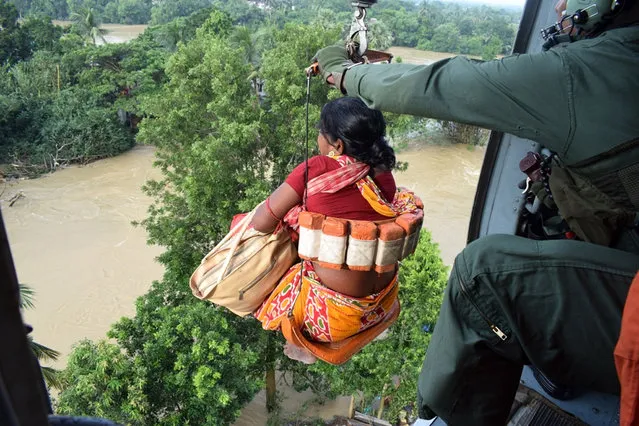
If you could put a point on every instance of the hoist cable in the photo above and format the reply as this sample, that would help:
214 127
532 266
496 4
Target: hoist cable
304 197
308 101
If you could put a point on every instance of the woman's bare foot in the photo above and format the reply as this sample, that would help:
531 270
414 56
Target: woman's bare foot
299 354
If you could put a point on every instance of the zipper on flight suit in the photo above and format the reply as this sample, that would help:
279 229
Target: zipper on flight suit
493 327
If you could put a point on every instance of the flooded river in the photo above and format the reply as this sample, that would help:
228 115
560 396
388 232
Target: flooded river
73 242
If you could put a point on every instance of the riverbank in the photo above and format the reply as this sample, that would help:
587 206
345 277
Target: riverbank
116 33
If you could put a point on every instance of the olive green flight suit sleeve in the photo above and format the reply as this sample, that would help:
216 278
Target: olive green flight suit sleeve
526 95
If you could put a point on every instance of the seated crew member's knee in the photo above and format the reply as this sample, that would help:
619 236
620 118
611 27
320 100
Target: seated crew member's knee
423 410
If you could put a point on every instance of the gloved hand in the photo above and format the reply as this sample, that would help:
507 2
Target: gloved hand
333 62
540 192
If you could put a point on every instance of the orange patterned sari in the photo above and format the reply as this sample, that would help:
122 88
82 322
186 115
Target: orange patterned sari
325 315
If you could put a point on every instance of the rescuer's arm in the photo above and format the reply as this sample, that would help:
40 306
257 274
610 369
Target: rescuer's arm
527 95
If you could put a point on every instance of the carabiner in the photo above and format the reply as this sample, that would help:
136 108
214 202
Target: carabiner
358 29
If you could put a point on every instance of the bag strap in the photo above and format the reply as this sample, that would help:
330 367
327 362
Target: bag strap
242 223
236 237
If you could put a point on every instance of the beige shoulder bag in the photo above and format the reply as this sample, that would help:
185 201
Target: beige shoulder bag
244 268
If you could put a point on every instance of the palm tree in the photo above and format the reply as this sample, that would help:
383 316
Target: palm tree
380 37
250 43
87 24
170 34
43 353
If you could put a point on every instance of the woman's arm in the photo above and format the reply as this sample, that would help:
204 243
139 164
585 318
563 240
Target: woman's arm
273 210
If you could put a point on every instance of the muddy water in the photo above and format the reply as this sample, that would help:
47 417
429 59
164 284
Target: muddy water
115 33
445 177
73 243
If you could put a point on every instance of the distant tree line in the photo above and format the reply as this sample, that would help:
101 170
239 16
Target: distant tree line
46 81
65 100
478 30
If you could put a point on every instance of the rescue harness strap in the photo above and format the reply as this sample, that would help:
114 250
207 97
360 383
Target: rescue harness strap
304 197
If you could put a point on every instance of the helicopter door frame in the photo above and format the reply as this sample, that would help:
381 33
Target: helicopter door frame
498 199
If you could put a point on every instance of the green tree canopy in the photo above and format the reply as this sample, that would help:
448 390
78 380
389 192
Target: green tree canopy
446 38
70 103
42 34
401 22
14 44
56 9
173 365
102 381
166 10
200 366
133 11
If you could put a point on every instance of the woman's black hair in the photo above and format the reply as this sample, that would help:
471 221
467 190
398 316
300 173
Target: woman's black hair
362 129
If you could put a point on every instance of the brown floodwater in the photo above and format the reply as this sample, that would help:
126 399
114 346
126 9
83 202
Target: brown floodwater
445 177
72 241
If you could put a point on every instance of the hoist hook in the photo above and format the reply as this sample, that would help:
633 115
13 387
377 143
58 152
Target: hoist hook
357 49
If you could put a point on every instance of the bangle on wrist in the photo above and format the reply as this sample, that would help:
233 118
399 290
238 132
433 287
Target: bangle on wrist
269 210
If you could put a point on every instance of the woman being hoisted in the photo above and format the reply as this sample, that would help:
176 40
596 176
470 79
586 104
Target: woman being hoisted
333 312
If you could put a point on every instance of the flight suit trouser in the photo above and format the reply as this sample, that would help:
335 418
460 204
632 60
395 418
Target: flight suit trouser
512 301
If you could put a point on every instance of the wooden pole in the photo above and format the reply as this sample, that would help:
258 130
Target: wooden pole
351 408
380 410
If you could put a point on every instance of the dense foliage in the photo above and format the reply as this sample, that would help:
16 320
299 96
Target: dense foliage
65 101
18 41
173 365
